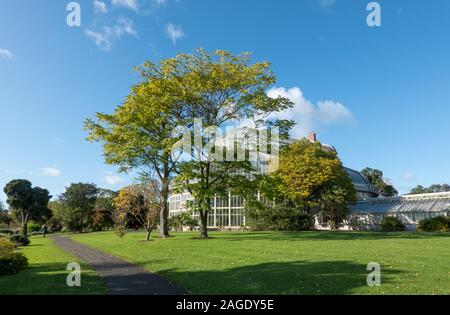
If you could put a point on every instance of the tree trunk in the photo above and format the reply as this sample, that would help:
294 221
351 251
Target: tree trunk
24 223
147 235
25 228
164 214
163 221
203 225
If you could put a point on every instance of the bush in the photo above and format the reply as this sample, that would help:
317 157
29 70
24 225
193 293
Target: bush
392 224
11 261
55 224
437 224
102 220
19 239
183 220
279 219
4 231
34 227
6 247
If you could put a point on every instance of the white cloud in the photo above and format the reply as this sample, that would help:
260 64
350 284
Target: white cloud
130 4
50 171
326 3
112 180
307 115
101 39
124 26
6 54
409 177
174 32
160 2
100 7
105 38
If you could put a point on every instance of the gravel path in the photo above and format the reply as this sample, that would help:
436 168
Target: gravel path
120 277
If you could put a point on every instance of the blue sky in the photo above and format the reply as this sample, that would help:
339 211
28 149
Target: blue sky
379 95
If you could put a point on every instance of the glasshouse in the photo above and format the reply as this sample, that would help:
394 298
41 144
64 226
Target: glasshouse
367 213
229 212
410 209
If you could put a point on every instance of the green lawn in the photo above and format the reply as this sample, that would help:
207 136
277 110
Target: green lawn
47 273
290 263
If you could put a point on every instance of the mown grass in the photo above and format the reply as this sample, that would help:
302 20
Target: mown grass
47 272
289 263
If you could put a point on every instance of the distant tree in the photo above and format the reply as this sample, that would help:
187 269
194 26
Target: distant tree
418 190
143 202
41 212
27 202
104 208
4 217
435 188
57 209
78 205
309 177
438 188
333 205
382 188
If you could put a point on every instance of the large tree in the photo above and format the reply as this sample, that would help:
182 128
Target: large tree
313 178
139 134
218 89
27 202
376 178
78 205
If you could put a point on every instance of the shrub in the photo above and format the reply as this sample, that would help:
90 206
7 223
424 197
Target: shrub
437 224
4 231
183 220
19 239
6 247
391 224
11 261
55 224
33 227
279 219
102 220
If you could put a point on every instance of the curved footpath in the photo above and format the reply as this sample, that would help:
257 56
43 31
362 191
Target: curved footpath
120 277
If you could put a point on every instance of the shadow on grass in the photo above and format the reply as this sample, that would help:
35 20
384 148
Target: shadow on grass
33 245
326 236
48 279
297 277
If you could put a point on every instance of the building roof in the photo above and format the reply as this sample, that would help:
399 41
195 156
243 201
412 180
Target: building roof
360 182
436 202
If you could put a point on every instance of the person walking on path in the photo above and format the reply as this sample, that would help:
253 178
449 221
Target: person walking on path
44 230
